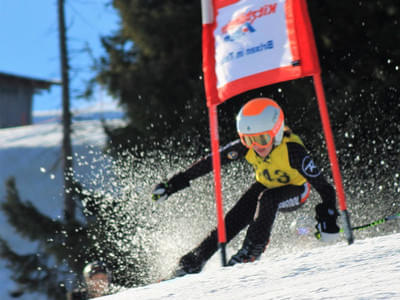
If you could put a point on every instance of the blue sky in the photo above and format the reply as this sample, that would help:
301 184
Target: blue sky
29 42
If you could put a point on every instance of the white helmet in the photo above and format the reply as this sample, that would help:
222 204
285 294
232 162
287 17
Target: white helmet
261 122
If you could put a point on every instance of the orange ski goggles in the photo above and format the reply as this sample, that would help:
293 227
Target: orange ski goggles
263 139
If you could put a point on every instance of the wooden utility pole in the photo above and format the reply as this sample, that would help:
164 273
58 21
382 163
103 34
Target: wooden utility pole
69 204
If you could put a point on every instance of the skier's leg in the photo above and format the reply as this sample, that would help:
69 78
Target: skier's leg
238 217
258 233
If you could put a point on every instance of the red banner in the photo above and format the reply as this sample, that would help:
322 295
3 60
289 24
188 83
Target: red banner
253 43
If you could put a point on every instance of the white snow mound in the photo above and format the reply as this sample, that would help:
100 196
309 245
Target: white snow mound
367 269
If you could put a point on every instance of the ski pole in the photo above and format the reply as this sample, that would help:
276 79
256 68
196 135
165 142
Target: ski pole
372 224
377 222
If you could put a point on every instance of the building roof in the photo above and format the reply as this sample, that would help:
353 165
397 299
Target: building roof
35 82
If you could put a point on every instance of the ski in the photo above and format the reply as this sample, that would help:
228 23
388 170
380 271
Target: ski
176 274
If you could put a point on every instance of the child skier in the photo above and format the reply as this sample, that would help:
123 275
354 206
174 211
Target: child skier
283 170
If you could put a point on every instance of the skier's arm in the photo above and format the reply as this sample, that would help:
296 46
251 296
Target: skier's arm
303 162
326 212
181 180
228 153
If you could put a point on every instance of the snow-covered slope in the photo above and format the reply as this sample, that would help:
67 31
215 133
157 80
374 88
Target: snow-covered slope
367 269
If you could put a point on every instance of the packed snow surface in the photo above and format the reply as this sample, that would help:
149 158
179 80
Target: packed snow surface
367 269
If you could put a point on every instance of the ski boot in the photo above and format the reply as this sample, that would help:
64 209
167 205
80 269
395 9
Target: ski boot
248 253
190 264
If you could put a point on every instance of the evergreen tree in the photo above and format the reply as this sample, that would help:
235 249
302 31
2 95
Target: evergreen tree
360 64
61 249
46 269
153 65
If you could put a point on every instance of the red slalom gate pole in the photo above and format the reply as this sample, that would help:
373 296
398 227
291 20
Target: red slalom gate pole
213 116
210 81
337 178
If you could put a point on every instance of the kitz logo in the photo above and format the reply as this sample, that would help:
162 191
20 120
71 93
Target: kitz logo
243 23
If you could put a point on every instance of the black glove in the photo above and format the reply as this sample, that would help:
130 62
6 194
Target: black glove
326 217
164 189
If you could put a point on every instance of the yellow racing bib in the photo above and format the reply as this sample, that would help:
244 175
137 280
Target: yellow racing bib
275 170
